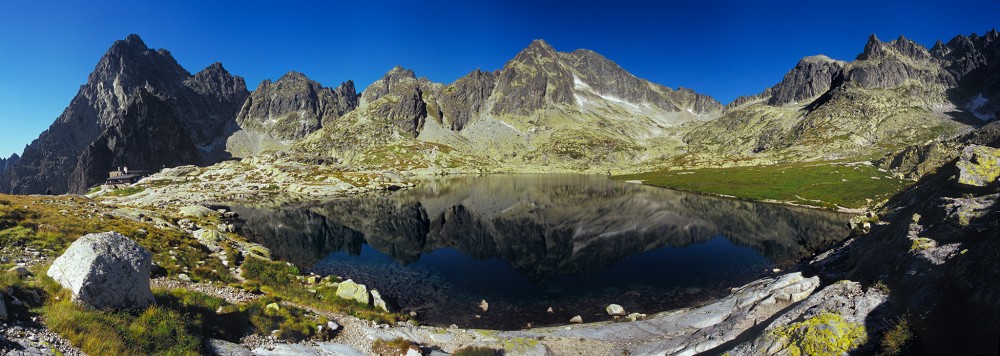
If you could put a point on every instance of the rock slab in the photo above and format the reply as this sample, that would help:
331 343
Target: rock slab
105 271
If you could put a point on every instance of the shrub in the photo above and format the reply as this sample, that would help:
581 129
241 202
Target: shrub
897 339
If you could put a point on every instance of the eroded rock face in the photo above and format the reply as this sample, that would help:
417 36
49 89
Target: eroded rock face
105 271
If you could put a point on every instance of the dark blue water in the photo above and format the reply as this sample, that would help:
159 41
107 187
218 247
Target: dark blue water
527 243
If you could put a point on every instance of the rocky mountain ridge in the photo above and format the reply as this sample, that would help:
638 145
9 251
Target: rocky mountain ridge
892 95
543 111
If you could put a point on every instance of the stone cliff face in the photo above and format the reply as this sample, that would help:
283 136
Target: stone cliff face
294 106
398 99
147 135
203 105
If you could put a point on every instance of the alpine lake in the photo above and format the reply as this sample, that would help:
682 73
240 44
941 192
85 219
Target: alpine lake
527 243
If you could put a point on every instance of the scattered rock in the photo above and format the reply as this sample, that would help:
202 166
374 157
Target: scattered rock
187 224
550 311
183 277
21 271
615 309
576 319
377 301
350 290
105 271
332 325
273 306
484 305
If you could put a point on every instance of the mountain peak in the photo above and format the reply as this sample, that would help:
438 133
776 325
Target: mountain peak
400 72
541 44
873 49
134 39
537 49
293 76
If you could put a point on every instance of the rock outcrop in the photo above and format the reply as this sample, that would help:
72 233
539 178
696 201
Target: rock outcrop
294 106
934 249
978 166
106 271
836 320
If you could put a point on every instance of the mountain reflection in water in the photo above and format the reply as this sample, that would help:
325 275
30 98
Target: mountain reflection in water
524 243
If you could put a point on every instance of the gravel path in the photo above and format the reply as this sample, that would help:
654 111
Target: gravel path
230 294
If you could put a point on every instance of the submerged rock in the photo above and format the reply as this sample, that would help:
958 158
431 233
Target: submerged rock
350 290
694 330
105 271
615 310
484 305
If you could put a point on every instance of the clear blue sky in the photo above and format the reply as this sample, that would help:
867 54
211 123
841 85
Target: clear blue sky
720 48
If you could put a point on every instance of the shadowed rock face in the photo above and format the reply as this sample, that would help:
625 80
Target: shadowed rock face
146 136
465 98
203 105
539 225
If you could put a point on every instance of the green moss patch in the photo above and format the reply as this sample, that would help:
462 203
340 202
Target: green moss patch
829 185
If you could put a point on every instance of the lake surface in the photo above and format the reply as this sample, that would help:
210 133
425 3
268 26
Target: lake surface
525 243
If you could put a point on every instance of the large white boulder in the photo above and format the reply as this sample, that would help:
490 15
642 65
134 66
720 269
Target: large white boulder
105 271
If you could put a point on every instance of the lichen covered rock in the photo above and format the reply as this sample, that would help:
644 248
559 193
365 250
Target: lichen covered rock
351 290
105 271
979 166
